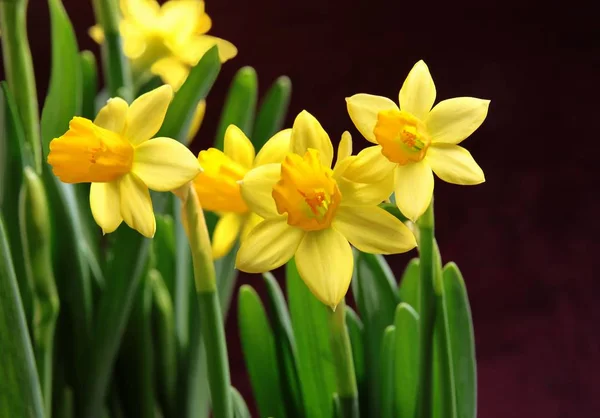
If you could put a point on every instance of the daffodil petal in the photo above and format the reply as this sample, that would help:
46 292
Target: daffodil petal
226 233
113 116
238 147
307 133
369 166
344 148
164 164
196 121
454 164
147 113
197 46
453 120
171 71
275 149
325 263
365 194
180 16
136 205
269 245
96 33
106 205
363 110
414 188
257 189
373 230
417 94
252 219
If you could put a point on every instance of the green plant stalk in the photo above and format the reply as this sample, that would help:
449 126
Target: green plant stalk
116 65
37 251
342 361
426 225
211 318
18 66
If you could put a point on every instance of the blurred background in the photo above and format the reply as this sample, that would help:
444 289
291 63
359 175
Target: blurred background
526 240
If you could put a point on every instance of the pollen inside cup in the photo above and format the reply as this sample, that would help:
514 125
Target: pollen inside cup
90 154
307 192
217 186
403 137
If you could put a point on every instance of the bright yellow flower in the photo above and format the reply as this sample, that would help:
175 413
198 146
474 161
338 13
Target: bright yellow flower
166 39
415 139
314 212
218 189
115 155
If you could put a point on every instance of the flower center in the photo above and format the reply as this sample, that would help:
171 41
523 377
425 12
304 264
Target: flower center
217 186
403 137
88 153
307 192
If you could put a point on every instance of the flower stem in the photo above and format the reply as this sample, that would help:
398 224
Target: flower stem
211 319
426 225
342 360
18 66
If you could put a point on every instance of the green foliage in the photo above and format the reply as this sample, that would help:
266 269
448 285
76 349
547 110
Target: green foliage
272 111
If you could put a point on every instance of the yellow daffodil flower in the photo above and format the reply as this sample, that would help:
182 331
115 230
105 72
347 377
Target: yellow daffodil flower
415 139
166 39
116 155
315 213
218 189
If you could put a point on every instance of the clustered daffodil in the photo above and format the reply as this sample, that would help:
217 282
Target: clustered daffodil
218 187
166 39
314 213
115 154
414 139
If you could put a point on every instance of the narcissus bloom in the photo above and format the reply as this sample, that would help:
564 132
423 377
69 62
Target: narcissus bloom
315 213
166 39
116 155
415 139
218 189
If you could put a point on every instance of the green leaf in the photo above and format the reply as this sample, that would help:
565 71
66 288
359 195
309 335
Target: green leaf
195 88
272 111
19 385
226 275
392 209
376 299
457 316
311 331
356 330
406 361
387 360
258 346
408 290
240 104
183 291
163 250
240 409
286 348
89 84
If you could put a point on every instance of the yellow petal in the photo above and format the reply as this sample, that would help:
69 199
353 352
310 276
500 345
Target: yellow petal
238 147
136 205
365 194
97 34
275 149
324 260
414 188
257 189
369 166
363 110
307 133
454 164
180 17
373 230
344 147
134 39
164 164
453 120
113 116
147 113
106 205
252 219
171 71
196 121
226 233
140 11
418 91
194 49
268 246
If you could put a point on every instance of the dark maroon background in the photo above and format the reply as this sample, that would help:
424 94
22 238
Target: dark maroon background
525 239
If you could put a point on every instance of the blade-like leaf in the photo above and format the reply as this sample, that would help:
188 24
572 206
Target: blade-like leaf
408 291
259 351
387 360
19 385
240 409
311 332
226 275
163 251
240 104
272 111
406 361
89 84
356 330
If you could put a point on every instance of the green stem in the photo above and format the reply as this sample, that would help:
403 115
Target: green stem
116 65
426 225
211 319
342 360
19 72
